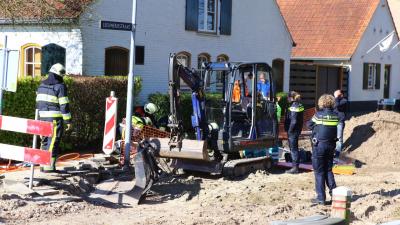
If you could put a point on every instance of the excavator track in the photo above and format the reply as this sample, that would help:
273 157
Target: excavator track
240 167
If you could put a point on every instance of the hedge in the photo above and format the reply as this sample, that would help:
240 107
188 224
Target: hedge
162 100
87 96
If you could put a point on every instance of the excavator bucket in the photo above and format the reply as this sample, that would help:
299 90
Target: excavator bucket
145 172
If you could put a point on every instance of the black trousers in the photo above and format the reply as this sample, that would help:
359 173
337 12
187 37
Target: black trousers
293 139
322 161
52 144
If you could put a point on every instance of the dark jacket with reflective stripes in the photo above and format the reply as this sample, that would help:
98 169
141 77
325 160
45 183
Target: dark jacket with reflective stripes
294 118
52 101
324 125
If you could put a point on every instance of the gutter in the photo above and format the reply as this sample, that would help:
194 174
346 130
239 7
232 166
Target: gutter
37 21
322 58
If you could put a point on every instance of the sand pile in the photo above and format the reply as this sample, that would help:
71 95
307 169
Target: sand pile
374 139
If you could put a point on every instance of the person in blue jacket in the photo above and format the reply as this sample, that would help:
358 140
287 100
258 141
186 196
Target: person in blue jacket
340 109
293 127
324 131
53 105
263 86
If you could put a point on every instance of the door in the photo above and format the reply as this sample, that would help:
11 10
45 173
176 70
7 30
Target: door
386 86
327 80
117 61
52 54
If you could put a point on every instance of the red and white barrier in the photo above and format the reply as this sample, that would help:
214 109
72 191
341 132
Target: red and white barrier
110 126
27 126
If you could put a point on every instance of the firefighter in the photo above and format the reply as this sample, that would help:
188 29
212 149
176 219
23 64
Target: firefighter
324 136
293 126
53 105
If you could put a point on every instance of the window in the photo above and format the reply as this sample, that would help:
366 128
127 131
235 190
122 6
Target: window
202 58
371 75
52 54
116 61
371 78
139 55
183 58
31 60
207 15
219 79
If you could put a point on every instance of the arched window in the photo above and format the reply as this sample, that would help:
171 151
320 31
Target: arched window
202 58
117 61
183 58
31 55
222 58
278 66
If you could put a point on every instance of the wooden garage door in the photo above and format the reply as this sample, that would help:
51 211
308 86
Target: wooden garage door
303 80
327 80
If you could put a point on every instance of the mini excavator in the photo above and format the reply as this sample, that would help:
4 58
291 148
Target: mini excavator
242 120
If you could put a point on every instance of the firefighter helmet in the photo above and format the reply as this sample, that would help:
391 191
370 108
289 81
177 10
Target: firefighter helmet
150 108
58 69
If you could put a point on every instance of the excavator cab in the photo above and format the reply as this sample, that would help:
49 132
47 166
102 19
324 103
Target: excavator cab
243 119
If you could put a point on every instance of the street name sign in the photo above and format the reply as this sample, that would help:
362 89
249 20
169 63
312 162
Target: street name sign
112 25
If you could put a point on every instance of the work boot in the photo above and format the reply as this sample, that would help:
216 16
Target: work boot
294 170
51 168
317 201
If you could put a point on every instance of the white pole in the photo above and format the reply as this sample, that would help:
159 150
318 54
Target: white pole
34 147
3 74
130 103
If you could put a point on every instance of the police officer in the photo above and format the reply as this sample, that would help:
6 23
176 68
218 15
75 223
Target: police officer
53 105
323 126
293 126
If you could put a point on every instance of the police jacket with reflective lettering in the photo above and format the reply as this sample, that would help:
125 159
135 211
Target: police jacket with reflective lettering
52 99
324 125
294 118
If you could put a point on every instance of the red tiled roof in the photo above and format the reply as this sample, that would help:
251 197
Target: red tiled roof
327 28
394 6
41 10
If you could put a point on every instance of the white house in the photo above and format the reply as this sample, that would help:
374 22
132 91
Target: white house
338 47
197 30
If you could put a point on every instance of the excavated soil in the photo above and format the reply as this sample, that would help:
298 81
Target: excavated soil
255 199
374 139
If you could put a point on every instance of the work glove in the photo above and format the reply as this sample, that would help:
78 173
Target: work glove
69 127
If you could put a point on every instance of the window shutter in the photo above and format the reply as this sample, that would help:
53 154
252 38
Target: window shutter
365 76
51 54
192 15
226 17
378 77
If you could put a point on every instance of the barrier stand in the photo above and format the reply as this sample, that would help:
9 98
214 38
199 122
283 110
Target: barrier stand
26 154
341 202
33 146
110 124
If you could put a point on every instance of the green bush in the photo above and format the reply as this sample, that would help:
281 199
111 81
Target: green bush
87 96
162 100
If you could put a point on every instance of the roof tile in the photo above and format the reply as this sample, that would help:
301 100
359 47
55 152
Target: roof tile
327 28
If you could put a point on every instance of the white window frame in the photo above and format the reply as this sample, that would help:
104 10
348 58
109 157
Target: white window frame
221 58
33 63
184 59
205 16
371 76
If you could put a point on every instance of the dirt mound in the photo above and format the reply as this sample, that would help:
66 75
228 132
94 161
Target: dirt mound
374 139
